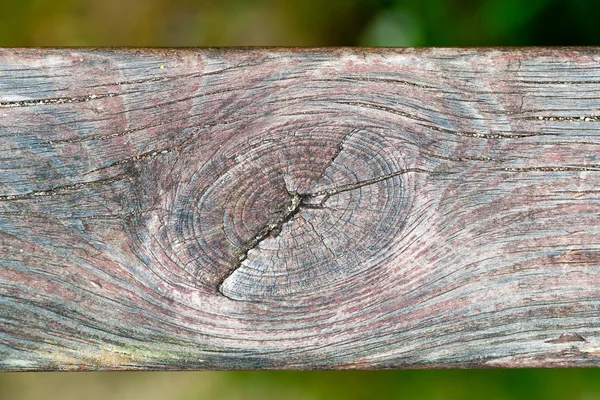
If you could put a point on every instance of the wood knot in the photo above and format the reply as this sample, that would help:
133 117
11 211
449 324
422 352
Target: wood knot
275 214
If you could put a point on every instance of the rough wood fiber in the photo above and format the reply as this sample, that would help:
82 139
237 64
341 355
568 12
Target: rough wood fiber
272 208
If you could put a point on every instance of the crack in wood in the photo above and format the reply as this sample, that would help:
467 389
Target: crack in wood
561 82
357 185
140 157
568 118
271 229
57 100
378 80
437 128
62 189
516 135
105 137
297 202
556 168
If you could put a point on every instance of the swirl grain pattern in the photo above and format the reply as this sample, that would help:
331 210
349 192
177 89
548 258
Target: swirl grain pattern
299 208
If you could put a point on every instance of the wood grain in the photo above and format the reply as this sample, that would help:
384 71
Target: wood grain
286 208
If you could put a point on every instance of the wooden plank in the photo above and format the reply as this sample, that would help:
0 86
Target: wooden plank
285 208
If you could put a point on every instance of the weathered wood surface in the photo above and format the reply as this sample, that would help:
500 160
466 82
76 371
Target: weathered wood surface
273 208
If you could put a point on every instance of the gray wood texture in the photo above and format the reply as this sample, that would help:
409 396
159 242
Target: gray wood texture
299 208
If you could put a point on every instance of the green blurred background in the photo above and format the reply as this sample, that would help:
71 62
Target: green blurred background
298 22
301 23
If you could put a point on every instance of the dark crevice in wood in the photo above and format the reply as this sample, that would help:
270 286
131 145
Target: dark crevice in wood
516 135
298 202
111 136
569 118
378 80
271 229
357 185
561 82
556 168
62 189
140 157
123 217
51 101
439 129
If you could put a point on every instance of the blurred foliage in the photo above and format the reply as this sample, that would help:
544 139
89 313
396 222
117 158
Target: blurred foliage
582 384
301 23
298 22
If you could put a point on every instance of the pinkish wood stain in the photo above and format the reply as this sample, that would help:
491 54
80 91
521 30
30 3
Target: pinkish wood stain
299 208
